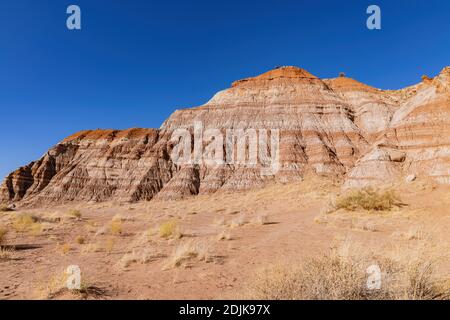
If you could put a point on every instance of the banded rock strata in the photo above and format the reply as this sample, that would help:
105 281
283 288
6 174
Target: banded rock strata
332 126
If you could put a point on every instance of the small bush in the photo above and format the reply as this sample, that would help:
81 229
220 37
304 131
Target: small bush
75 213
238 221
27 223
3 234
368 199
6 253
80 240
57 286
65 248
187 251
128 259
168 229
261 219
115 227
334 277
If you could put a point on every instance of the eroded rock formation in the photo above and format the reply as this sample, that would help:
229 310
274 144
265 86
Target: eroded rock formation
332 126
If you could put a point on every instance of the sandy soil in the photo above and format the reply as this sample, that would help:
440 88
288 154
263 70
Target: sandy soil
122 255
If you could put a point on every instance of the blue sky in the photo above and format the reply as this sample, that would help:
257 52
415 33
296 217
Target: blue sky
134 62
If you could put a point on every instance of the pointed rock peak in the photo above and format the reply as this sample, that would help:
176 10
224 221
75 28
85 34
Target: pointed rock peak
348 84
286 72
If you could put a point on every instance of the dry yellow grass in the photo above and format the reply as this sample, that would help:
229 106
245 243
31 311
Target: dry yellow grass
75 213
3 234
368 199
187 251
168 229
334 276
65 248
57 286
115 227
6 253
128 259
27 223
80 240
261 219
238 221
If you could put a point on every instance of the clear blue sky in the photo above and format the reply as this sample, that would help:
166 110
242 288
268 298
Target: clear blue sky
134 62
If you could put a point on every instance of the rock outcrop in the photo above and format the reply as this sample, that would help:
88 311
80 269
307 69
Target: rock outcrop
332 126
419 130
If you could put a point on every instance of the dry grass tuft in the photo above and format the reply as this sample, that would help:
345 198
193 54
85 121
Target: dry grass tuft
238 221
80 240
261 219
6 253
368 199
115 227
128 259
220 221
75 214
414 233
168 229
3 234
334 276
65 248
138 256
56 286
187 251
27 223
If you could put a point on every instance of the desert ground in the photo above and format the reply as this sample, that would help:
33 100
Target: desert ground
213 246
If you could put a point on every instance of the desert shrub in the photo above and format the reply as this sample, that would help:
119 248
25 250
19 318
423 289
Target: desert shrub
6 253
187 251
368 199
128 259
238 221
261 219
168 229
75 213
3 234
27 223
56 286
80 240
115 227
65 248
334 277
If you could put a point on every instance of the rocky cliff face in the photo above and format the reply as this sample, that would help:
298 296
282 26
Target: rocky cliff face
333 126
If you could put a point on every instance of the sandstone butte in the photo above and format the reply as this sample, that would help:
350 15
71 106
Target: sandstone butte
340 126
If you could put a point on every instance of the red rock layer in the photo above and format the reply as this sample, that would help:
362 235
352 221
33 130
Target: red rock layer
337 127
